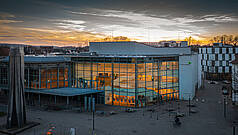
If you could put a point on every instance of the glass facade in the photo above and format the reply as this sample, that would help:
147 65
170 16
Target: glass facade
40 76
46 76
126 81
134 82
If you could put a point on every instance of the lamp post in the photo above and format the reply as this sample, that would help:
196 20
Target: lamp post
225 93
189 105
93 109
234 124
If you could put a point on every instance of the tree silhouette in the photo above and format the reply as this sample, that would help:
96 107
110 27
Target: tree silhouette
225 39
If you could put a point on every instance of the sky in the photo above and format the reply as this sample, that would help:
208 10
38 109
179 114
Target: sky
74 22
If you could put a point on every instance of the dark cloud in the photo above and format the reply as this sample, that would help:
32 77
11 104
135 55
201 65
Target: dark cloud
134 18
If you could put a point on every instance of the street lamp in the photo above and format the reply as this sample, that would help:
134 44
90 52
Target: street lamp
234 124
225 93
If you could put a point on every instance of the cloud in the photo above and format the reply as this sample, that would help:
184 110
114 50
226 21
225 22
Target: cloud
130 23
45 30
9 21
40 36
6 18
138 25
46 21
71 24
6 15
207 18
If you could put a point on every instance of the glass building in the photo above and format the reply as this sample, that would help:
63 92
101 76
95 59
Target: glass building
131 81
41 72
116 73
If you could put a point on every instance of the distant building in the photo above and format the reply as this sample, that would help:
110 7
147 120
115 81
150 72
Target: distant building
235 81
167 44
216 61
183 43
117 73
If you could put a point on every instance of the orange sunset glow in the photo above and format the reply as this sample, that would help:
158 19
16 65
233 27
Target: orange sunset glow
77 23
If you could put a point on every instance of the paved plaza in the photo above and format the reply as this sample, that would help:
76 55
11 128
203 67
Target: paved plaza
209 119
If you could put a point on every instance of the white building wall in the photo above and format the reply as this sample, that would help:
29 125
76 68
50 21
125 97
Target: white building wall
134 48
189 75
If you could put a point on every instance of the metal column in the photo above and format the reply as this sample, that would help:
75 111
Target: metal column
28 77
67 100
69 76
112 82
158 81
39 78
55 100
57 76
46 75
85 103
89 104
91 74
64 75
136 84
145 81
39 99
93 105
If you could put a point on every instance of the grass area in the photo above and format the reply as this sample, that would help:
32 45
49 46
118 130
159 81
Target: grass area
2 114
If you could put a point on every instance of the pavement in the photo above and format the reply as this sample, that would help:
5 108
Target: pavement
209 119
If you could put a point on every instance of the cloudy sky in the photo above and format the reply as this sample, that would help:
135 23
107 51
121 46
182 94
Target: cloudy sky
70 22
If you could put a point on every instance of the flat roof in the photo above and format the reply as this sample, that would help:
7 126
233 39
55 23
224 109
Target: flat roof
123 56
64 91
42 59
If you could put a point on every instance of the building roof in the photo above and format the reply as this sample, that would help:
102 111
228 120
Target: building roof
43 59
64 91
135 48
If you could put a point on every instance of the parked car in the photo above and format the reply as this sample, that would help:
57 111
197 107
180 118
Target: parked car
130 110
226 82
213 82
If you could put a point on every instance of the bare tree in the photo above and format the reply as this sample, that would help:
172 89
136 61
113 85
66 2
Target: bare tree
235 40
230 39
225 39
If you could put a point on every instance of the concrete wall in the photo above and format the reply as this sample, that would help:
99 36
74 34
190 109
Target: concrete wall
134 48
189 75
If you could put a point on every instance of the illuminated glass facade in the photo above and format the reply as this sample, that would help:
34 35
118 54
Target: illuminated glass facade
128 81
40 75
134 81
46 76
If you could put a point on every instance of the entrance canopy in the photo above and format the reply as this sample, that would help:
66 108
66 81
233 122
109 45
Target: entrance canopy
64 91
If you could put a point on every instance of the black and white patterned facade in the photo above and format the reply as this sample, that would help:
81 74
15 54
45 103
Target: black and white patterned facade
217 60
